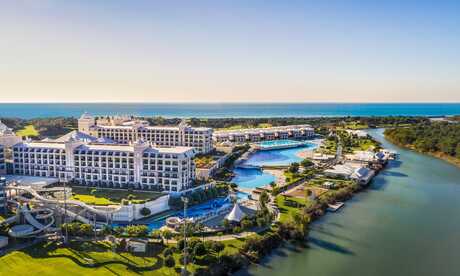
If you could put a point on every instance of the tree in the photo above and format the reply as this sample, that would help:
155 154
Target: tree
218 247
167 252
170 262
226 224
199 249
294 168
246 224
145 211
167 235
156 234
85 229
306 163
121 246
263 199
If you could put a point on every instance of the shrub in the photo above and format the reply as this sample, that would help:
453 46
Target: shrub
167 252
137 230
145 211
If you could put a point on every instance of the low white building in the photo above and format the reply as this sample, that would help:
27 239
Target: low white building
7 137
138 165
261 134
127 132
363 175
360 174
2 160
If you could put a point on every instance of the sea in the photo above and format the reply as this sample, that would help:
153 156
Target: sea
228 110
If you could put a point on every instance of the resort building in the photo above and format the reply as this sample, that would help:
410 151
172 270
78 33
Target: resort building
7 136
361 175
2 193
123 130
2 160
264 134
136 165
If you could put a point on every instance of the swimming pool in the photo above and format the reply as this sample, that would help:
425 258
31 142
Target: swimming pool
279 144
278 157
251 178
254 177
195 211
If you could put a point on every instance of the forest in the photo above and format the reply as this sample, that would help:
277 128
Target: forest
434 137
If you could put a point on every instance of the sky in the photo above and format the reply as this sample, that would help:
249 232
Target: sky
229 51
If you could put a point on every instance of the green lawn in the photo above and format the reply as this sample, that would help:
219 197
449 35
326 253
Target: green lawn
28 130
80 258
285 210
93 258
108 197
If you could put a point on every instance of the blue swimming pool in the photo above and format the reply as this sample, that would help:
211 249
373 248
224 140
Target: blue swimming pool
253 177
192 212
279 157
280 143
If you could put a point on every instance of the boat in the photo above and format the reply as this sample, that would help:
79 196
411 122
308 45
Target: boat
335 207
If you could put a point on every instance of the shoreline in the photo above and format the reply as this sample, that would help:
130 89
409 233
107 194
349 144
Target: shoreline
438 155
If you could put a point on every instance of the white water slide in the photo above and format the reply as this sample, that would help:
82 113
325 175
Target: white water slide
72 202
39 227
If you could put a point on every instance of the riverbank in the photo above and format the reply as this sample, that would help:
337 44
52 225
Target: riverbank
378 232
440 155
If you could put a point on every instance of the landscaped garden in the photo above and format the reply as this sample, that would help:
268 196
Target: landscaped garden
28 131
104 197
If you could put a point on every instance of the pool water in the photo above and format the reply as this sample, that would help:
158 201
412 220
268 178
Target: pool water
251 178
280 157
192 212
274 143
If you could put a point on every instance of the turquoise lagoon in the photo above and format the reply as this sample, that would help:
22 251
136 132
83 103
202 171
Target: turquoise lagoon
251 178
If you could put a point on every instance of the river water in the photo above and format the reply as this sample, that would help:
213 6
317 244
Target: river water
406 223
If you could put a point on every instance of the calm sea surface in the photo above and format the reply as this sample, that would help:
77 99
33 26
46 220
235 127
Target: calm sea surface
406 223
227 110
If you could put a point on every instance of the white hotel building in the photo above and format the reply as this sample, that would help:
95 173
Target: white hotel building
264 134
76 158
124 131
2 160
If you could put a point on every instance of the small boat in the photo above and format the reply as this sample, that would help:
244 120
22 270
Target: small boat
335 207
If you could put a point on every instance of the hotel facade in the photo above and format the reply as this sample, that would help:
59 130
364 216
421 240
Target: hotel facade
127 131
264 134
137 165
2 160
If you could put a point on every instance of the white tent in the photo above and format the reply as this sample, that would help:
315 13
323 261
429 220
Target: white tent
236 214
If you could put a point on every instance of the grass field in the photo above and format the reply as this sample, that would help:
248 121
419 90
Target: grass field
285 210
108 197
84 258
29 131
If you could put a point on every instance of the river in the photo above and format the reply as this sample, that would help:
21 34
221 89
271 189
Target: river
406 223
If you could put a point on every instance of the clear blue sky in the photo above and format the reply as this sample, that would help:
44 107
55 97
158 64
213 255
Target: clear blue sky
290 51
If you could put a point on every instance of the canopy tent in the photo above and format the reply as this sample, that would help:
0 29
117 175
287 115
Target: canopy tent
236 214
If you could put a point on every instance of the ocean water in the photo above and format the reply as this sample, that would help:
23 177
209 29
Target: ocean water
228 110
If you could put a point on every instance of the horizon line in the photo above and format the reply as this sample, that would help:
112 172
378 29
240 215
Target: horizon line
230 102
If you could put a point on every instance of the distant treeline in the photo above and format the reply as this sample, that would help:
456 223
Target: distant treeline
316 122
429 137
56 126
46 127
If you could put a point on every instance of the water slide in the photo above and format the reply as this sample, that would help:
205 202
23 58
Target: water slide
61 209
72 202
39 227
